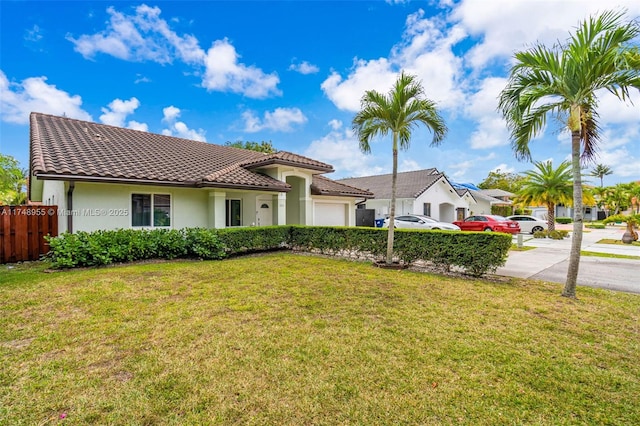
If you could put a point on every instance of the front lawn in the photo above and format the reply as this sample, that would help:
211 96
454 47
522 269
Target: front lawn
288 339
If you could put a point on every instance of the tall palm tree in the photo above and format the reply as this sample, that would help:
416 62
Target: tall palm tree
399 113
564 81
548 187
601 171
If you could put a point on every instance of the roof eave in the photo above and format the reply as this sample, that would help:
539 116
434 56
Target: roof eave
280 162
186 184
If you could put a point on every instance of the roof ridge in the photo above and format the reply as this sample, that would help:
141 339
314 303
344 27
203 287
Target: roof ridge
221 172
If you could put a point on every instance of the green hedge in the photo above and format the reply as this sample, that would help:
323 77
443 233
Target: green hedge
475 252
564 220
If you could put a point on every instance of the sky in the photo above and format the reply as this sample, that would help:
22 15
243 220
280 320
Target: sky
293 73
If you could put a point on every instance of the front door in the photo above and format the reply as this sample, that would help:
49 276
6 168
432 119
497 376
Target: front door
264 213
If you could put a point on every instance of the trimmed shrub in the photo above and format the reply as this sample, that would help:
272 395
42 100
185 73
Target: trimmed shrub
247 240
564 220
596 226
122 245
475 252
556 235
540 234
203 243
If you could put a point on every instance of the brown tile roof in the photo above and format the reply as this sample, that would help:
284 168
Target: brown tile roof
324 186
62 147
408 184
290 159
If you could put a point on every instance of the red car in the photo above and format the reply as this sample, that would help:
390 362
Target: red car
489 222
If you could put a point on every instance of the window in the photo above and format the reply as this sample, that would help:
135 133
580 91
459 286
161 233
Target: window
151 210
426 209
233 213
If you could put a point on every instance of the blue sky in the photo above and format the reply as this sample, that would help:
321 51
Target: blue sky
293 73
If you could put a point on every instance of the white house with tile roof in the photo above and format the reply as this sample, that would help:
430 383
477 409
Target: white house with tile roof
426 192
106 177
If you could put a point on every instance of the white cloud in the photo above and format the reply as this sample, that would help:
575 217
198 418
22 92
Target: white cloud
181 130
505 26
304 67
614 111
365 75
118 110
408 165
178 128
141 79
280 120
481 107
425 51
335 124
17 100
341 149
34 34
135 125
616 149
170 113
503 168
225 73
140 37
461 168
144 36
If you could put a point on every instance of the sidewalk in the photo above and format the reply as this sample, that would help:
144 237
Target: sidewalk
548 261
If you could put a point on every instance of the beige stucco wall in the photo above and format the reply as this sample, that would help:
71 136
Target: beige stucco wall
108 206
53 193
99 206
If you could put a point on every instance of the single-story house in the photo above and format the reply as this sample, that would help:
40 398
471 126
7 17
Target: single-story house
486 198
106 177
427 192
590 213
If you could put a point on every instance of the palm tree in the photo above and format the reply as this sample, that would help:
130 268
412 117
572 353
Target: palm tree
398 113
601 171
619 197
564 82
548 187
634 191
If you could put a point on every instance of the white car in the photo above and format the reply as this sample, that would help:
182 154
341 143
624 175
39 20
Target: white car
529 224
418 221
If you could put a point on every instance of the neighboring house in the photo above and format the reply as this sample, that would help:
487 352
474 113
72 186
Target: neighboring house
106 177
426 192
590 213
486 198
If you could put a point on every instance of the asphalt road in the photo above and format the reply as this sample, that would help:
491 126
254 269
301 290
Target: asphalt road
600 272
549 261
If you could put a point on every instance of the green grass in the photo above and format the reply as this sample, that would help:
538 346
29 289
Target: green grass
608 255
617 242
514 247
288 339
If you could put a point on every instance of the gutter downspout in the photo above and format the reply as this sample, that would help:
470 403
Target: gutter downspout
72 186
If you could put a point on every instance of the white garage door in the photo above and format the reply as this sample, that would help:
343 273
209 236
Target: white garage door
330 214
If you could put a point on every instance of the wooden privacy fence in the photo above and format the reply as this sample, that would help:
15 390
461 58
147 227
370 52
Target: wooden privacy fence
22 231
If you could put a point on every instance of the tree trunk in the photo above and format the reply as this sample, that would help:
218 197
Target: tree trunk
576 241
392 211
551 216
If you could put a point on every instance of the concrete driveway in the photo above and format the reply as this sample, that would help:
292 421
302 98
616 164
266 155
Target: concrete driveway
549 261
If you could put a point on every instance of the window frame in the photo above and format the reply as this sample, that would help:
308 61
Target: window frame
228 207
152 214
